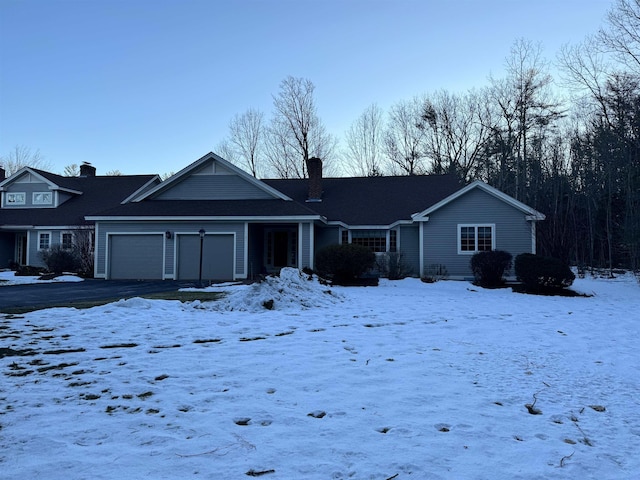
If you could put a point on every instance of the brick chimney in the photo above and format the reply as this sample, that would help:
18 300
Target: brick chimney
3 174
314 169
87 170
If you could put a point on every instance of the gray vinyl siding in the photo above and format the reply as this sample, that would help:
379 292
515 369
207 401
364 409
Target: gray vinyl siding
512 230
174 228
213 187
33 255
306 246
410 247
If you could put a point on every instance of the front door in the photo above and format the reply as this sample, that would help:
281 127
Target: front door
281 248
21 248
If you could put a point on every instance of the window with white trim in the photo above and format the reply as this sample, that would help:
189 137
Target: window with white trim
44 240
15 198
66 240
42 198
378 241
476 238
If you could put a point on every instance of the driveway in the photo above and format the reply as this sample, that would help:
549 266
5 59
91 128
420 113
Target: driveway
67 293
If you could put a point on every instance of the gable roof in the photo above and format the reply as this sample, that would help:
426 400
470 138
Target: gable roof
371 201
534 214
199 164
55 182
93 194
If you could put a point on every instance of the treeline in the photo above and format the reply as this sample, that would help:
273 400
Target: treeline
573 156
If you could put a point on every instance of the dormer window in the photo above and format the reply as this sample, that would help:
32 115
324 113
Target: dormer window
16 198
42 198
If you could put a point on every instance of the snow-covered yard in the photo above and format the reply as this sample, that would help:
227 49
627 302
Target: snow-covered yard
404 380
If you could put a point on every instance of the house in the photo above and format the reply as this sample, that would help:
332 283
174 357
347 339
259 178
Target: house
214 221
39 210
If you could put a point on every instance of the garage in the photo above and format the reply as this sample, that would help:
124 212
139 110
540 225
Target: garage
218 255
136 257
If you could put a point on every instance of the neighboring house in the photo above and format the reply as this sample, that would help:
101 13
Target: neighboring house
214 221
39 210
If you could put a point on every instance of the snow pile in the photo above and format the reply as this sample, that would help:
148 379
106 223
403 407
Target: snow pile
10 278
291 290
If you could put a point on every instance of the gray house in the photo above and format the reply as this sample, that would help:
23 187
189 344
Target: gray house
39 210
214 221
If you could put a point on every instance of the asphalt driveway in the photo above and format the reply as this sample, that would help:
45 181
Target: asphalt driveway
67 293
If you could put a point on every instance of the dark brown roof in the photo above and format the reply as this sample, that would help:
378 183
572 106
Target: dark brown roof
98 193
372 200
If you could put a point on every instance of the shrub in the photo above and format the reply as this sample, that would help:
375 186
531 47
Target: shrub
489 267
434 273
393 266
538 273
28 271
344 262
59 260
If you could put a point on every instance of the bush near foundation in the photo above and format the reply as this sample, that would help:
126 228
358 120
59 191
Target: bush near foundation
542 273
489 267
344 263
58 260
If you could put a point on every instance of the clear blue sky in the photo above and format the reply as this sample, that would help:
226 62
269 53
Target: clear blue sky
148 86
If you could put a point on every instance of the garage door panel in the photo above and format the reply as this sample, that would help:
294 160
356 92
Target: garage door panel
217 257
136 257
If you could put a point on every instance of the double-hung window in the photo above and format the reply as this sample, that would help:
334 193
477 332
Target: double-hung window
66 240
476 238
44 240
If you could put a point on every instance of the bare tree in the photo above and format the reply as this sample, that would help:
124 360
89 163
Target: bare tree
364 143
72 170
404 138
246 138
295 132
22 156
455 135
225 149
622 37
527 109
585 73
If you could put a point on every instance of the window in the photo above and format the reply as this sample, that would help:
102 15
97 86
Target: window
475 238
67 241
15 198
44 240
42 198
375 240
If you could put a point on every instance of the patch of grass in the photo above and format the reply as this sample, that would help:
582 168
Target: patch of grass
56 367
120 345
60 352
